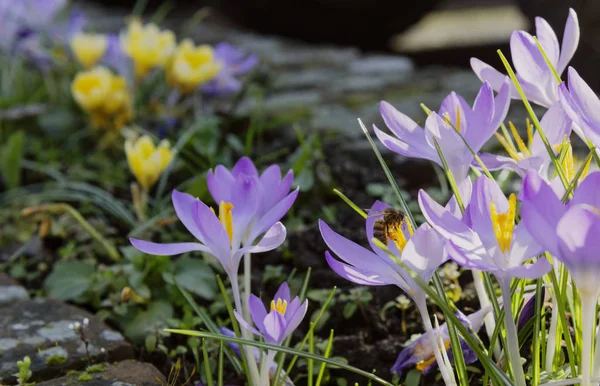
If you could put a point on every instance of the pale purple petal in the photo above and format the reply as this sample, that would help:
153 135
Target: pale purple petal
291 309
479 129
274 237
464 190
167 249
588 192
274 328
454 103
257 311
446 223
220 184
523 246
245 325
355 275
424 252
474 258
296 318
529 271
501 105
578 238
486 191
496 79
541 210
273 215
570 41
215 236
547 39
245 166
527 58
246 199
283 293
497 162
418 149
184 205
354 254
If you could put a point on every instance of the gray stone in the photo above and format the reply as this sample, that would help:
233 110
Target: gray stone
40 329
382 64
10 290
126 373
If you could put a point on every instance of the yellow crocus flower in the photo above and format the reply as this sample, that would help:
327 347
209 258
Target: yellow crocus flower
191 66
147 162
147 45
89 48
91 88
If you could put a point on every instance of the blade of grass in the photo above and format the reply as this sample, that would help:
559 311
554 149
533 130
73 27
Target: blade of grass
326 355
287 350
390 177
350 203
220 370
209 324
234 323
536 360
498 376
309 362
207 370
535 120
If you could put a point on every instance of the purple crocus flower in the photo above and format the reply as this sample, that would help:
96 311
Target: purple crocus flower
256 354
534 75
420 351
486 238
242 216
421 250
280 321
583 107
533 155
567 231
476 125
234 63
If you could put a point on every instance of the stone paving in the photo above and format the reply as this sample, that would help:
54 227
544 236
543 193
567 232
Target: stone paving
42 329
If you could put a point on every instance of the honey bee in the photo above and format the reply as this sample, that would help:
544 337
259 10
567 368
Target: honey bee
392 221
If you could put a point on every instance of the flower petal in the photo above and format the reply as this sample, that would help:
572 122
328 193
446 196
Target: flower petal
578 238
273 215
184 204
245 325
283 293
412 150
547 39
588 192
257 310
570 41
496 79
424 252
486 191
530 271
540 211
274 328
245 166
220 184
274 237
475 258
167 249
355 275
352 253
296 318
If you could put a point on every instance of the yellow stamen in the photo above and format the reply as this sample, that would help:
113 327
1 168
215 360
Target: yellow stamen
512 152
421 366
504 223
226 218
529 133
458 119
520 144
280 306
568 163
397 235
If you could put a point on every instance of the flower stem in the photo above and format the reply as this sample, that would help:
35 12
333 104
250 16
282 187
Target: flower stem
252 366
247 283
588 316
484 301
512 339
422 306
267 359
551 346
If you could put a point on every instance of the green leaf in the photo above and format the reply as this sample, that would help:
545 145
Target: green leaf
69 280
12 155
195 276
413 378
349 310
149 321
